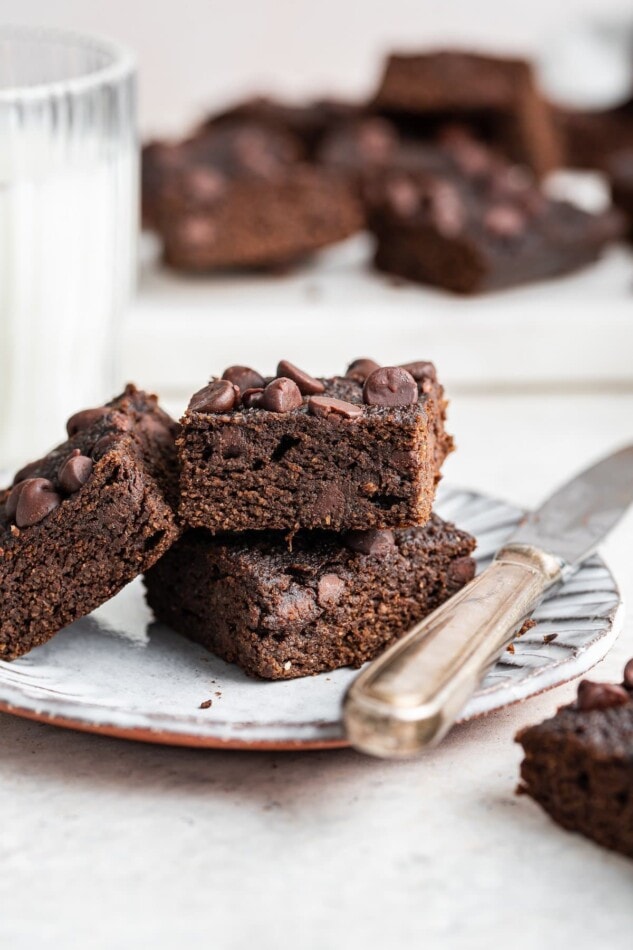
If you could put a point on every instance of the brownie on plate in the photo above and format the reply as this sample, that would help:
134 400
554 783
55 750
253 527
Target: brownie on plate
497 98
362 450
80 523
327 601
239 196
478 223
579 765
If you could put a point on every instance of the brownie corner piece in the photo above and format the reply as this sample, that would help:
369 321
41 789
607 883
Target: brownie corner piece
578 765
80 523
327 602
362 450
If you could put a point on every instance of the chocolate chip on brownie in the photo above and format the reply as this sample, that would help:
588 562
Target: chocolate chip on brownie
390 386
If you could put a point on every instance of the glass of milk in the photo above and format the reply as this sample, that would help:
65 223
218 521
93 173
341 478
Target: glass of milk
68 229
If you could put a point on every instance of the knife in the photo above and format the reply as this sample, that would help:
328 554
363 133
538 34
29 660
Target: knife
410 696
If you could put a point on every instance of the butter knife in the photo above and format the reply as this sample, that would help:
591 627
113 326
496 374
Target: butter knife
412 694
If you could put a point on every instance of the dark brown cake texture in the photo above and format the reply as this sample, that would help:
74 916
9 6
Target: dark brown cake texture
362 450
239 196
328 601
579 765
80 523
496 97
467 221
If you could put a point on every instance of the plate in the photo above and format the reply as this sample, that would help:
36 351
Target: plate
118 673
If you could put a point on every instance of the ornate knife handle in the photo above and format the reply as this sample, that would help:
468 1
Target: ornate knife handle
410 696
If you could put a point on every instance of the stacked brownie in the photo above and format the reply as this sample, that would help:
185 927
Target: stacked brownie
311 543
442 164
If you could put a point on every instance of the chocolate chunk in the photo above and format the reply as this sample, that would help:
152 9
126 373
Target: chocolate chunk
628 674
420 370
252 398
473 159
330 590
504 221
461 570
592 696
307 384
403 196
446 208
204 185
11 504
36 500
324 406
75 472
244 378
360 369
85 419
329 503
220 395
373 542
390 386
282 395
28 471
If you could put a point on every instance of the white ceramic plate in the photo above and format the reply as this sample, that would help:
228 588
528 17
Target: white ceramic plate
118 673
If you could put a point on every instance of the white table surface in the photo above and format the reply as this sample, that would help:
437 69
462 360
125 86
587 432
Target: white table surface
108 844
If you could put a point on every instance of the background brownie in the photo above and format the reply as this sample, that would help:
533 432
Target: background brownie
620 172
592 138
328 601
359 451
237 196
579 765
497 98
83 521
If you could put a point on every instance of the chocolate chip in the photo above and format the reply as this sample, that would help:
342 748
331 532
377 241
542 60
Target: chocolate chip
75 472
11 504
252 398
473 159
103 445
372 542
403 197
461 570
85 419
204 185
360 369
420 370
593 696
390 386
282 395
446 208
504 221
195 232
244 378
324 406
28 471
628 674
330 590
220 395
36 500
307 384
329 503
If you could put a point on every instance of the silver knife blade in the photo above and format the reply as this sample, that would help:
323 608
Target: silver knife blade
573 521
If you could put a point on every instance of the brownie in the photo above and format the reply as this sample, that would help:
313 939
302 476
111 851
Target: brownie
330 600
359 451
579 765
592 137
80 523
620 172
498 98
478 223
239 196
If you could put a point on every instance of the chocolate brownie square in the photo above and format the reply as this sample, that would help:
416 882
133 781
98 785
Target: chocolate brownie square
478 223
498 98
238 196
328 601
362 450
80 523
579 765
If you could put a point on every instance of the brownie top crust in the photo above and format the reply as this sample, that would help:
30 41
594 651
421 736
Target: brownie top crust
367 389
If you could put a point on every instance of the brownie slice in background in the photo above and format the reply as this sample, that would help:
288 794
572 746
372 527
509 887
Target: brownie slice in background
239 195
328 601
477 223
497 98
579 765
592 138
80 523
357 451
620 173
